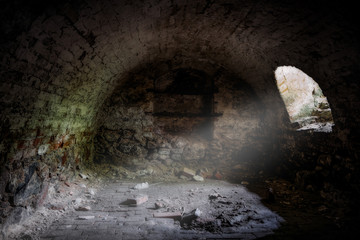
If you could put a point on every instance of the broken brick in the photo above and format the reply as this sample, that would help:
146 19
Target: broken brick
217 175
167 215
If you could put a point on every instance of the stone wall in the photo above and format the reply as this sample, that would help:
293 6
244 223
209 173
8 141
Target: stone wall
134 129
63 64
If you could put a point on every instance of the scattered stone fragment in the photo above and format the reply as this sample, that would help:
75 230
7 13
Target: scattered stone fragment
159 205
141 186
43 148
198 178
214 196
86 217
91 192
187 218
56 207
62 177
83 176
188 172
83 208
213 217
138 200
77 200
144 172
175 215
244 183
225 202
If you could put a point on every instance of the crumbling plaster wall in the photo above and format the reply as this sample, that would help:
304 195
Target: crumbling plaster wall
59 63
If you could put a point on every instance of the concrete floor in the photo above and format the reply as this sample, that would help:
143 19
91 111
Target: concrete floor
111 218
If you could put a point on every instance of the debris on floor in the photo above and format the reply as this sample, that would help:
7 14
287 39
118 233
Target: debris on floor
188 218
86 217
216 207
174 215
61 196
198 178
159 205
136 200
83 208
140 186
83 176
214 196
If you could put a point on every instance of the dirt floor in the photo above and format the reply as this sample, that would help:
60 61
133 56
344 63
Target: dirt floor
262 208
180 209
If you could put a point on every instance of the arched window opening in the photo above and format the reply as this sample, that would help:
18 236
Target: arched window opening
304 100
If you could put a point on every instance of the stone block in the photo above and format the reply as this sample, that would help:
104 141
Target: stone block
164 151
138 200
43 149
195 151
176 151
33 187
188 172
198 178
29 153
176 157
163 156
167 162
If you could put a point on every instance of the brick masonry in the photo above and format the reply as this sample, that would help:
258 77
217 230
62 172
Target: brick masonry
60 63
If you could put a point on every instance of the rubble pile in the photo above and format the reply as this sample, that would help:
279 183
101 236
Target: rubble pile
214 206
74 194
227 214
